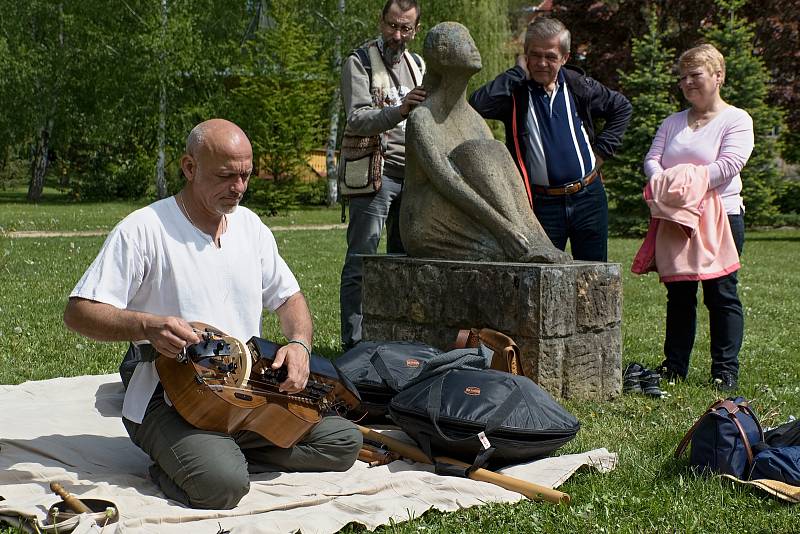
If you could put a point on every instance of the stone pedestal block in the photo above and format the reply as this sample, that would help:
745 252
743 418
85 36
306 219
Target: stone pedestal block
565 317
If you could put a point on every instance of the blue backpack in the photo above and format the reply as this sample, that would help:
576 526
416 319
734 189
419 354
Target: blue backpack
723 437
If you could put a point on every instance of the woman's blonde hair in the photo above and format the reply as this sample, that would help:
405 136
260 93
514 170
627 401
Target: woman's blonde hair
704 55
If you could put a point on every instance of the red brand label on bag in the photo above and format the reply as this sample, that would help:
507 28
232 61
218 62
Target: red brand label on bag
411 362
473 390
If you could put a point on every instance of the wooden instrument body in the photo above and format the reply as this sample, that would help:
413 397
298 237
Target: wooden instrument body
227 393
280 420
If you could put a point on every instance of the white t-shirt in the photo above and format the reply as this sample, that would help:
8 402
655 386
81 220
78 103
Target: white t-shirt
156 261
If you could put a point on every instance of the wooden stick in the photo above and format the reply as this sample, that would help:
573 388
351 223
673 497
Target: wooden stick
535 492
375 457
73 502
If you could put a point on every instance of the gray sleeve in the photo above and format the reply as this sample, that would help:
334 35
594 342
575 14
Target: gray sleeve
362 118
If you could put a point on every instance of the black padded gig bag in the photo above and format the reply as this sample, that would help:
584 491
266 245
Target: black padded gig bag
483 415
379 369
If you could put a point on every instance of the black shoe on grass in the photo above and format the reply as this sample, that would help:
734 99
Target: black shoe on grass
650 383
725 382
669 374
632 378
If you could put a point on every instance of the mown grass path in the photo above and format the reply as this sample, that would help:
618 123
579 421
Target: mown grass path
92 233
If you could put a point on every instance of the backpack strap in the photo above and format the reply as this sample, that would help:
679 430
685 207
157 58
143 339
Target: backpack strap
732 408
363 57
687 438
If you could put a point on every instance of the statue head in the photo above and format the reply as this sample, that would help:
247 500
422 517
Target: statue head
449 48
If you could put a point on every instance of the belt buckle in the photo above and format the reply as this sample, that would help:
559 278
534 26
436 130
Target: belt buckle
572 188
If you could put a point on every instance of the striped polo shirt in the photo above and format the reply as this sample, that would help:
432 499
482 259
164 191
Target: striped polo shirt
558 146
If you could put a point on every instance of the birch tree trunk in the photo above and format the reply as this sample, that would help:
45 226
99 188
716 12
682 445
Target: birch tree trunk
161 182
333 132
330 149
41 152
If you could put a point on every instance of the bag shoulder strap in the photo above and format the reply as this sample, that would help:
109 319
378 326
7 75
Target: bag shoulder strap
507 356
363 57
416 66
466 338
685 440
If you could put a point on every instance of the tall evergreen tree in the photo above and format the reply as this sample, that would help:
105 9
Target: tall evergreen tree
745 87
648 88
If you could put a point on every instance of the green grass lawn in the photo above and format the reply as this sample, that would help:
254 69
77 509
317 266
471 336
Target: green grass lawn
648 492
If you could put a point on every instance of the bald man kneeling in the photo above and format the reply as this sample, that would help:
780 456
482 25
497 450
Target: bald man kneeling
199 256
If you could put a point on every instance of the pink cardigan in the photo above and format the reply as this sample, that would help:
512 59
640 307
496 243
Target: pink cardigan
689 237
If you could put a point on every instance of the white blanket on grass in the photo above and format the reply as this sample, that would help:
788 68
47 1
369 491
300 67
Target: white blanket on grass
68 430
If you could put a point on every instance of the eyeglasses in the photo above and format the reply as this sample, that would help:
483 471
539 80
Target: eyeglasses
404 30
550 58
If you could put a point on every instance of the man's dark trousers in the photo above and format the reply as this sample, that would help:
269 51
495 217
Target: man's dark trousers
581 217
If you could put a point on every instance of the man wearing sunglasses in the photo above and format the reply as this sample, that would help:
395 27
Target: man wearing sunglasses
549 109
381 84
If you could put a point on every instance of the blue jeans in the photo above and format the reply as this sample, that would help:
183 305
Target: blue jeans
368 215
725 317
581 217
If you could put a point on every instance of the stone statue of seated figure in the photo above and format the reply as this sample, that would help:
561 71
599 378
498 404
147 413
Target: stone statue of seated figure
463 197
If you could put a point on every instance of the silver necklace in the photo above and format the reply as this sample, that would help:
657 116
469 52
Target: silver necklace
189 218
185 211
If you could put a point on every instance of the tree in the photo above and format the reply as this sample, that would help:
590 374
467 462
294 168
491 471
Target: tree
777 30
487 21
282 93
602 31
648 87
36 34
161 69
745 86
341 27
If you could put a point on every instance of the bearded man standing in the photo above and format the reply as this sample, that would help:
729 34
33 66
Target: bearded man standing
380 86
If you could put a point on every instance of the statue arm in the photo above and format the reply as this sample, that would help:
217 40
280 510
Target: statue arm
421 138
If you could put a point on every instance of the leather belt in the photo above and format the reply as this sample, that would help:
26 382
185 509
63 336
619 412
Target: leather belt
568 189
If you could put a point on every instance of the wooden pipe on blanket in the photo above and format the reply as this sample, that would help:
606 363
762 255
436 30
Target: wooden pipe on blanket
535 492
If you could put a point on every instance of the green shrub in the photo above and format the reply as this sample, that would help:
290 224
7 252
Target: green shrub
112 177
272 197
788 199
627 225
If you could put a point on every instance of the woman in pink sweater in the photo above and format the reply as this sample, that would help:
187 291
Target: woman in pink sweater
719 136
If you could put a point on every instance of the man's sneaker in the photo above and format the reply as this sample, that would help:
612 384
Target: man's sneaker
725 382
631 378
650 383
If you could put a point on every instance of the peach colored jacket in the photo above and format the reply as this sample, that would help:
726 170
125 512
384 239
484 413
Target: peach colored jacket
689 237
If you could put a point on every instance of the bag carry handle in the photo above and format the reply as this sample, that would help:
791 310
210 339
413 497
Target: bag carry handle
732 408
498 416
507 356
